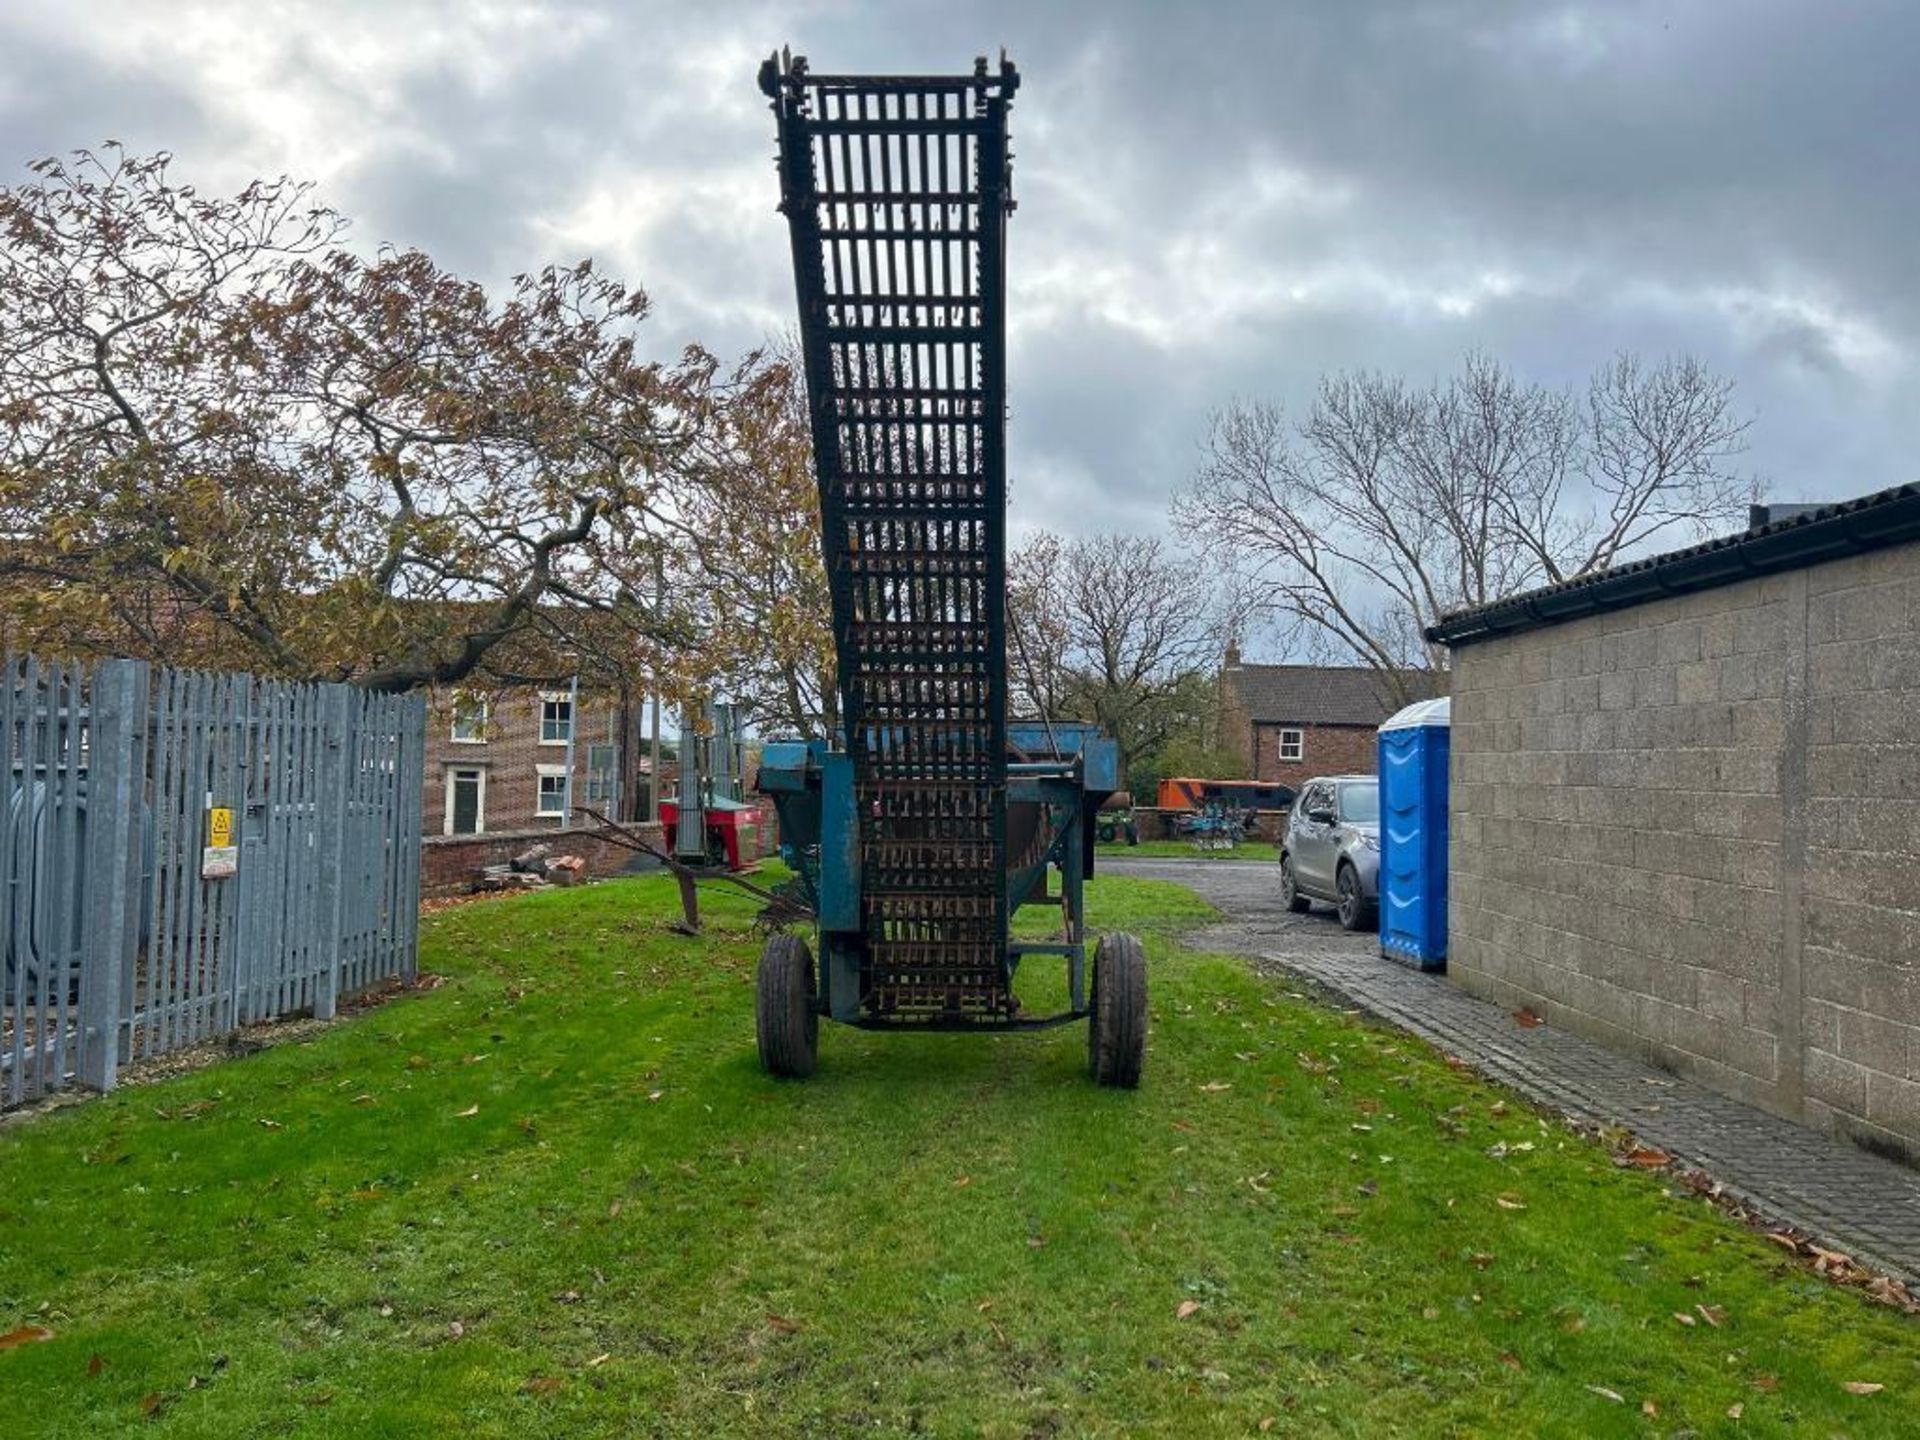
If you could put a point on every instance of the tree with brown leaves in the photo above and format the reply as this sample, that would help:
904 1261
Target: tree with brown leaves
225 438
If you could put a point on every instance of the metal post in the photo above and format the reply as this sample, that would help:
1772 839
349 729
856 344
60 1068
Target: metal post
653 779
336 711
573 729
115 785
1073 901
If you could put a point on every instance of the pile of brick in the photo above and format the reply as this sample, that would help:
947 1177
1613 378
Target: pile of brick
532 869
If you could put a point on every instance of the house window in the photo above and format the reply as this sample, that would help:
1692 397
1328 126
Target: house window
470 720
556 719
1293 745
553 790
466 812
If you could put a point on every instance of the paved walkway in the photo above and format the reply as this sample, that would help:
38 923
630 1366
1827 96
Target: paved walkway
1851 1200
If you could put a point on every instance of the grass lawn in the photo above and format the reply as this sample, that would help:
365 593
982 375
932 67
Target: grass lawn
1185 850
556 1197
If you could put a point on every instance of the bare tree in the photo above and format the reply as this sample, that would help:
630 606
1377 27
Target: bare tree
1115 629
1388 506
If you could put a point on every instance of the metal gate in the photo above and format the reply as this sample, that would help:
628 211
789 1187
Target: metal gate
183 853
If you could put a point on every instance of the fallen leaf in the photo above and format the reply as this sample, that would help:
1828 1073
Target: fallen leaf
470 1110
1510 1360
1526 1018
151 1403
1785 1241
320 1397
653 1095
543 1385
362 1100
1365 1129
1507 1200
95 1364
568 1297
613 1211
456 1329
1214 1087
1185 1125
1766 1383
782 1324
1712 1314
1649 1409
1647 1157
24 1335
1188 1307
1683 1317
269 1124
1736 1410
963 1182
1862 1387
1431 1312
1034 1242
1266 1423
597 1361
1606 1394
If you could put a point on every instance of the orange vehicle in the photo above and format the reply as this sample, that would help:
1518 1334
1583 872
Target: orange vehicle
1191 794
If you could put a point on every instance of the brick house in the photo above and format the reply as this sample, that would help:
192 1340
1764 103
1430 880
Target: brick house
1686 811
1289 723
497 760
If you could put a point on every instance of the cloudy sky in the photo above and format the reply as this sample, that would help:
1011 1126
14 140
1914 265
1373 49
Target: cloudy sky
1215 199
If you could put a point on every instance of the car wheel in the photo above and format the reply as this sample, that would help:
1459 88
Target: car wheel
1290 895
1356 911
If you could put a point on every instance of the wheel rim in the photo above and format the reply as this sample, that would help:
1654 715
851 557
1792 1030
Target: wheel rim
1349 898
1286 881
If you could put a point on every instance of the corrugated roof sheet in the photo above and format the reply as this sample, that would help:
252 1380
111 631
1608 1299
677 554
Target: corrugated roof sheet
1849 527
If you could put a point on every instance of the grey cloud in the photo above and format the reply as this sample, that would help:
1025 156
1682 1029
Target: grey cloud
1547 183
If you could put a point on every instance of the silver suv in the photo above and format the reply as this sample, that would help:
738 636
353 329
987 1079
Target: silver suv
1331 850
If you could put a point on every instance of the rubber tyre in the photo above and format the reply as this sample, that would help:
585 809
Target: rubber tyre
787 1024
1117 1031
1290 895
1356 912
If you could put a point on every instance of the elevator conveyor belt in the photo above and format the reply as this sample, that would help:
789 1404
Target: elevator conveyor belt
896 190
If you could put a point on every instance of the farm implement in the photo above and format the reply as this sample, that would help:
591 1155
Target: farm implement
934 819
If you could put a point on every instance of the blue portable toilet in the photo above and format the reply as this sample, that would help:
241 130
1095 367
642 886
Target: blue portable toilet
1414 746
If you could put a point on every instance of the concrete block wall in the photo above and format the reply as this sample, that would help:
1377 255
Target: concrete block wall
1692 828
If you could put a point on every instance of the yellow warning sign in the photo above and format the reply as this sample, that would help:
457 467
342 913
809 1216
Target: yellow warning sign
219 826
